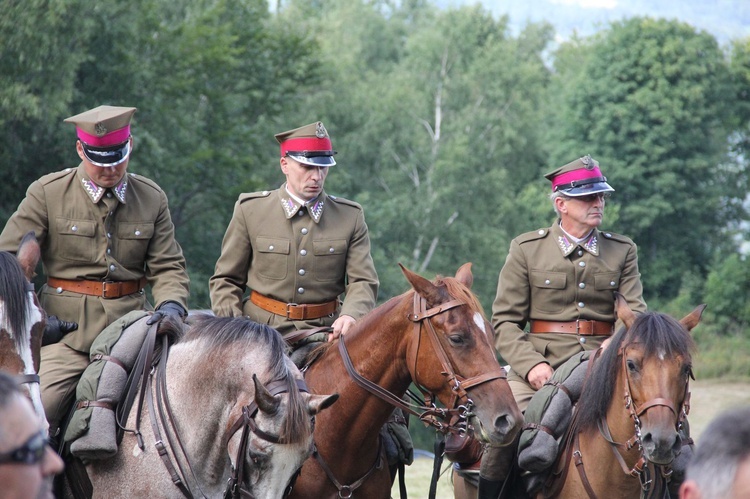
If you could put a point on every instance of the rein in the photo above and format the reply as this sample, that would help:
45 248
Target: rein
246 422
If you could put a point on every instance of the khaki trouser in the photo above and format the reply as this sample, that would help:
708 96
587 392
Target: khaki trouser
60 369
522 391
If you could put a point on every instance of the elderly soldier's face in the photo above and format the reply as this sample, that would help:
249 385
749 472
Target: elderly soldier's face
304 181
581 214
107 176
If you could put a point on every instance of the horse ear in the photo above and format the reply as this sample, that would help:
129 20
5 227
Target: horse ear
693 318
422 286
317 403
464 275
624 313
28 254
267 403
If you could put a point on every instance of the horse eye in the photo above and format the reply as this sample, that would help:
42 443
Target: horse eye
456 339
632 366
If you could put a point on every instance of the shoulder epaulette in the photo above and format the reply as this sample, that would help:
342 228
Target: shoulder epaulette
247 196
145 180
51 177
532 236
616 237
347 202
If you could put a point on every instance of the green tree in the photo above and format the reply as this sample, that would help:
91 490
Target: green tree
41 46
649 100
438 128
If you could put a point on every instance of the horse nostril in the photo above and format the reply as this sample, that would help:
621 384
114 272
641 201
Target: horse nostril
504 423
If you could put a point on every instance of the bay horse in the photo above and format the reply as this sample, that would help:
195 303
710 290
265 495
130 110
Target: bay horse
434 336
221 375
624 433
22 319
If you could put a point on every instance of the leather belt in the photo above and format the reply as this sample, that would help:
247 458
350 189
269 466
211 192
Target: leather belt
583 328
105 289
294 311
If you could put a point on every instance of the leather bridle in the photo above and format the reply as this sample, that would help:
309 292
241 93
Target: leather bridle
640 470
451 420
246 421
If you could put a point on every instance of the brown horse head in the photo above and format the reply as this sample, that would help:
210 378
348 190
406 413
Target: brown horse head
462 367
650 363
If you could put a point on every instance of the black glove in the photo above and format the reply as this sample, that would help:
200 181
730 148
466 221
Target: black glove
56 329
169 309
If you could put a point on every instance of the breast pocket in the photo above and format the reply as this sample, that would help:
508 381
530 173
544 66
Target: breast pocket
77 242
548 291
271 256
330 260
133 239
604 281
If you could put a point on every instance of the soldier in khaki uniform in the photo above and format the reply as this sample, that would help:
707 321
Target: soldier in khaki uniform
560 281
104 235
297 249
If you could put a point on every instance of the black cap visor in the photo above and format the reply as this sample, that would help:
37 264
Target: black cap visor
107 156
585 187
313 158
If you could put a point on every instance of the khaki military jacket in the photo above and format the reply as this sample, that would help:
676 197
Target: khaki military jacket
89 233
294 254
547 277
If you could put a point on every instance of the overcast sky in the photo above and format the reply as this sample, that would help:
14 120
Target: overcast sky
725 19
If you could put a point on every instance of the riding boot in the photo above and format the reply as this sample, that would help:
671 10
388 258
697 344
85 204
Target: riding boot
489 489
497 466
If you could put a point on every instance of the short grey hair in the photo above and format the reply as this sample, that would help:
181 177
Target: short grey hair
723 446
555 195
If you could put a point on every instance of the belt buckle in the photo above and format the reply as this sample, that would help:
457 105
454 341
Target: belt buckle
105 288
586 331
289 309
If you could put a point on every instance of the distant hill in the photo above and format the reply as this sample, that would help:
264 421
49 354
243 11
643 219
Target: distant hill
725 19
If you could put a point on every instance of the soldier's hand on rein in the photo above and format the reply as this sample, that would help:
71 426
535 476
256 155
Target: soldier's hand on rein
341 326
169 310
56 329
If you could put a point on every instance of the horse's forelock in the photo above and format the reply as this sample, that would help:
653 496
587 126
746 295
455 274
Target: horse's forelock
460 292
661 334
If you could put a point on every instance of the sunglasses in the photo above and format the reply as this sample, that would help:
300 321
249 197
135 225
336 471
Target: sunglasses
31 452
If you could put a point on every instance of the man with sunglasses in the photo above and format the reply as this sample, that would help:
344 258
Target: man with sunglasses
104 235
27 462
560 282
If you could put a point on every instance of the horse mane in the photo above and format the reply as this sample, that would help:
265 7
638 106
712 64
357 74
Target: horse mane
657 332
15 307
240 334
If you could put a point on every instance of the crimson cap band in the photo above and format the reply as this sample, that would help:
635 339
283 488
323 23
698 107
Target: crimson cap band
309 145
104 133
579 178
